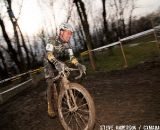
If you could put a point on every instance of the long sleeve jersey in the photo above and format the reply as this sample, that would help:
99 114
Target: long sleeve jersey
56 50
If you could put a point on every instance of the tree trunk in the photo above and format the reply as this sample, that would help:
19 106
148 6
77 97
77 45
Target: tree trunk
1 73
33 60
123 27
82 37
83 17
133 7
25 48
14 23
105 23
130 26
4 64
11 50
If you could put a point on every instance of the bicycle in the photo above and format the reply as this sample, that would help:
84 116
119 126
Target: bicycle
75 105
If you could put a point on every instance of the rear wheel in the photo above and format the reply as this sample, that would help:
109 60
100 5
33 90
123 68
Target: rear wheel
76 108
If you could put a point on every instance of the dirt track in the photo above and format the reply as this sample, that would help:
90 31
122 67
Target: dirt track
124 97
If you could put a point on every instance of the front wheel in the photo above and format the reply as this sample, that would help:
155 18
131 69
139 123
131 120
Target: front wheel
76 108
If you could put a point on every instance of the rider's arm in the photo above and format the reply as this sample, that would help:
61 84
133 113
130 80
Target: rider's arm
73 59
49 53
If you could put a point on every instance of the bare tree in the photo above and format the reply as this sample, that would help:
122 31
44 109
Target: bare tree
105 23
14 23
106 30
4 64
69 8
43 39
93 17
31 51
119 6
133 7
11 51
78 30
83 17
17 31
25 48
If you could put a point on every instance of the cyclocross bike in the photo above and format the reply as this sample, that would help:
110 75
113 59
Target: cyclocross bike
75 105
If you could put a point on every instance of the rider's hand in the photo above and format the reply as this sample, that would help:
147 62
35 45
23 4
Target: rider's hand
81 68
60 66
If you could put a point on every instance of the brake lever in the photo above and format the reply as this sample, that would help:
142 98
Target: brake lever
79 76
73 69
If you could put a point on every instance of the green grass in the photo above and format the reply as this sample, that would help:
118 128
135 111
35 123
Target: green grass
145 50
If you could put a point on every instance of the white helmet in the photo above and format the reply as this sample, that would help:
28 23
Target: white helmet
66 26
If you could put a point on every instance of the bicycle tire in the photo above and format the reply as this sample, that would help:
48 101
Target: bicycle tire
90 103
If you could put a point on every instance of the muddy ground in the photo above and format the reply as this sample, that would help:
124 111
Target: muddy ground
122 97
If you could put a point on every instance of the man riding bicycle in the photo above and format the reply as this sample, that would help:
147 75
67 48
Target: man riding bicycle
57 50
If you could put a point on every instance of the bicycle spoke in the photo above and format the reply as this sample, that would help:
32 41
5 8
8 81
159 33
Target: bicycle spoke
83 105
65 109
66 112
65 103
77 121
67 116
80 116
75 108
76 96
84 111
70 119
72 125
81 100
76 125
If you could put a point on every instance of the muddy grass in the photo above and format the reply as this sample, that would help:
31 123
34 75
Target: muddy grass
124 97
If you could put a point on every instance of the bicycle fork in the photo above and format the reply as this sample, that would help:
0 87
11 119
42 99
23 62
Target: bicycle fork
71 102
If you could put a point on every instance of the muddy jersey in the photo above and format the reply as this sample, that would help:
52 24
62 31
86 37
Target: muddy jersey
56 50
61 51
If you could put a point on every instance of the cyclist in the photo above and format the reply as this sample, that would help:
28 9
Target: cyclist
57 50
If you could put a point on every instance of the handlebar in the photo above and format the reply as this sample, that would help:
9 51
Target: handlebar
66 69
73 69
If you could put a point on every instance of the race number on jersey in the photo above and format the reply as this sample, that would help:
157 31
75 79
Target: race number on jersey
70 51
49 47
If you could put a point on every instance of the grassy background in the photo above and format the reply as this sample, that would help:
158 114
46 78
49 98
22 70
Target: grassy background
136 51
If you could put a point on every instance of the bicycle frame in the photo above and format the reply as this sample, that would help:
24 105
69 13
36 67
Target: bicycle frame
70 106
64 85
